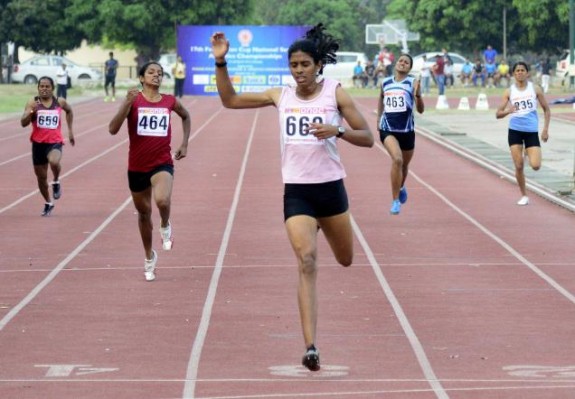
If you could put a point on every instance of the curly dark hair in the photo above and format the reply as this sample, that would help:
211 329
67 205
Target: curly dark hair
321 46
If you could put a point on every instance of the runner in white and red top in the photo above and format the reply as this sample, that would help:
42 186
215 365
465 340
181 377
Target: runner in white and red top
310 116
150 164
44 112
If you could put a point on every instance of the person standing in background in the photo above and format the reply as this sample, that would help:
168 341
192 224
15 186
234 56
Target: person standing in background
425 76
438 72
179 73
545 74
490 55
62 81
110 69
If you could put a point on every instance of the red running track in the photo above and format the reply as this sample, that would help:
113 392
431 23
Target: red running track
463 295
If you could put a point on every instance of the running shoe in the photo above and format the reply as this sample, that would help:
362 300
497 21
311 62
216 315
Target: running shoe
167 239
57 190
47 209
106 99
311 359
113 99
523 201
150 267
395 207
403 195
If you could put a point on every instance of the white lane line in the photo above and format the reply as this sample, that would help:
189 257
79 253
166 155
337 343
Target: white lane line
28 132
29 153
500 241
497 169
401 317
484 229
25 197
32 294
30 194
192 371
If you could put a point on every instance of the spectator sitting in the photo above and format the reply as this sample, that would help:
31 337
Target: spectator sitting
490 71
502 72
358 76
371 78
478 72
466 73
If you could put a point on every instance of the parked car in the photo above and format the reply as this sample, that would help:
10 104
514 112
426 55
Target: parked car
563 64
167 61
458 61
343 70
32 69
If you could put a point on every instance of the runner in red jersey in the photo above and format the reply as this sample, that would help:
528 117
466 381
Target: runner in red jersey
44 112
150 164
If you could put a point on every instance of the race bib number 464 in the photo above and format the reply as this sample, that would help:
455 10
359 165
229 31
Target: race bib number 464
153 121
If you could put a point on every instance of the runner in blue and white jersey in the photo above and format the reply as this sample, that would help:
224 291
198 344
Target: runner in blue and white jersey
520 101
398 96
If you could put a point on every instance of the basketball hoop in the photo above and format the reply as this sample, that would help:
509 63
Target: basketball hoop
381 39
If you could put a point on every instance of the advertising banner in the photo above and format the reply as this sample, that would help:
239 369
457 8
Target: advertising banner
257 59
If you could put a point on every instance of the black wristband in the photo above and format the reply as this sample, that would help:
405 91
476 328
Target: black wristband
221 64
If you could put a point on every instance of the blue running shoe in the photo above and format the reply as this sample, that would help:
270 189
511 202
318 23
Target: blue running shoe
403 195
395 207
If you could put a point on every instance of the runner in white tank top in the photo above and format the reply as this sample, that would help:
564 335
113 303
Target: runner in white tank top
520 101
305 158
314 194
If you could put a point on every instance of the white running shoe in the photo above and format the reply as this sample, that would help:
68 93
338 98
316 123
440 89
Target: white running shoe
167 240
523 201
150 267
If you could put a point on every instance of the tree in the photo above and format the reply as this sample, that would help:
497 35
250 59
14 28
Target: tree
150 25
53 32
469 25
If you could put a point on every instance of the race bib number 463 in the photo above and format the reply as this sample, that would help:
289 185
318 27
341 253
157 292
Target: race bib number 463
153 121
395 101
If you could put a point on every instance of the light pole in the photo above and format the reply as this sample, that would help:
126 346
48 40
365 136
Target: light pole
505 32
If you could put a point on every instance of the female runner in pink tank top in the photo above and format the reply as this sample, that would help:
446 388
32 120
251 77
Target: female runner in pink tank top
310 127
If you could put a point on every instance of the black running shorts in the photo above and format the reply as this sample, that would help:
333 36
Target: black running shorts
40 152
139 181
528 139
315 200
406 140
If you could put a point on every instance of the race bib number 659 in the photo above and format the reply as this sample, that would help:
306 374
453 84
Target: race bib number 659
153 121
48 119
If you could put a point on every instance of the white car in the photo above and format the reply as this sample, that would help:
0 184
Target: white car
458 61
563 64
343 70
34 68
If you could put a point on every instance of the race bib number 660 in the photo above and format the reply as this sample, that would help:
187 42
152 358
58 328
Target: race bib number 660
153 122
